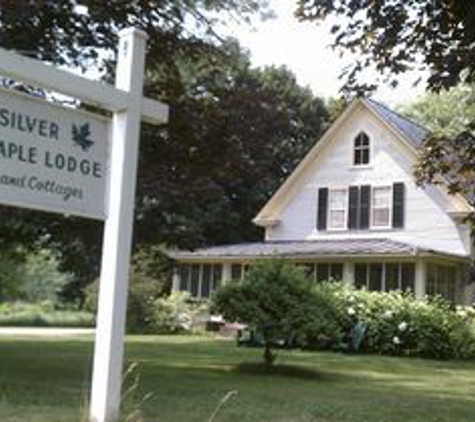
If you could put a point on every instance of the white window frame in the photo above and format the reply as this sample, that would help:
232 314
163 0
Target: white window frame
212 281
361 148
344 209
390 206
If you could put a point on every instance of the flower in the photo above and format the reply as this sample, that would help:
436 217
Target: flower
351 311
388 314
396 340
402 326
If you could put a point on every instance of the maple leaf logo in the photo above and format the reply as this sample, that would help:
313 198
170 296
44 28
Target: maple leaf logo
81 136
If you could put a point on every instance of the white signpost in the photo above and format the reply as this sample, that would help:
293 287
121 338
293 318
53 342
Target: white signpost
56 159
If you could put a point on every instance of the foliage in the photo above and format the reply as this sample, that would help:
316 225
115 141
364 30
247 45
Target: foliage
443 113
42 314
150 278
10 263
397 324
40 279
176 314
271 300
394 36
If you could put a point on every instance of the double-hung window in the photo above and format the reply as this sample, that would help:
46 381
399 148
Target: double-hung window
337 209
381 206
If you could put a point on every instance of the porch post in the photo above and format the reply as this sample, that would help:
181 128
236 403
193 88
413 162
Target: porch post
421 275
176 278
349 272
226 272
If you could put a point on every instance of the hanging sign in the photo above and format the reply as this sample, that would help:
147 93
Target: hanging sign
52 158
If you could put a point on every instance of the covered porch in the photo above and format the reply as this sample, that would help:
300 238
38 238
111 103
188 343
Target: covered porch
372 264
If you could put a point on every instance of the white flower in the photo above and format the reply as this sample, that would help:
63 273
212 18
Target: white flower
351 311
351 299
402 326
388 314
396 340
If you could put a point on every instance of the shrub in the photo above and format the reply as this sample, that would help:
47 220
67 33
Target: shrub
272 299
149 279
393 323
176 313
143 291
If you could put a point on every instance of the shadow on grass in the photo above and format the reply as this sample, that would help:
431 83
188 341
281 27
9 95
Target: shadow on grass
288 371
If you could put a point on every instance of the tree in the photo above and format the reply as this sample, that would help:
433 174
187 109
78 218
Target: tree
393 36
85 36
234 134
443 113
396 36
267 300
450 149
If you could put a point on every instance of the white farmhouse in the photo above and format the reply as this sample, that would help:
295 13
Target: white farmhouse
352 210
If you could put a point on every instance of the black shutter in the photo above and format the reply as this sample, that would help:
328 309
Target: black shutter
398 205
365 204
322 208
353 200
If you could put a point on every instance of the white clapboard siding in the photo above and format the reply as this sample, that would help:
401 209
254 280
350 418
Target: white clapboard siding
427 223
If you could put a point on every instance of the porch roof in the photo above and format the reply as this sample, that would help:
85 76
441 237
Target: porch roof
327 248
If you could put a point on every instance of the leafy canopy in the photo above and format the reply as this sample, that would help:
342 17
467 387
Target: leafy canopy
394 36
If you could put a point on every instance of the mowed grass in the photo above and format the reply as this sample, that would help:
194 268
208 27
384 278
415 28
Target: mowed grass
47 380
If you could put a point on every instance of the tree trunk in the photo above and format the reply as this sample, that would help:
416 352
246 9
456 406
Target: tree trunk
269 357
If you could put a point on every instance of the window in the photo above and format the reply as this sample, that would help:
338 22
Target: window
323 271
378 276
381 206
200 280
361 150
337 206
329 271
442 281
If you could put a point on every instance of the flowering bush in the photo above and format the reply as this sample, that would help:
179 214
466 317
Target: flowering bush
395 323
176 313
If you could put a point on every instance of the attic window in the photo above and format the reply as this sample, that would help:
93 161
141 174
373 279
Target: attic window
361 150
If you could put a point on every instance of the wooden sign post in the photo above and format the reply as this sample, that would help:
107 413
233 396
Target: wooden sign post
73 142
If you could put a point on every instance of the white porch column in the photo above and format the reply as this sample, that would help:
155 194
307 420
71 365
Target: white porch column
176 278
421 275
349 272
226 272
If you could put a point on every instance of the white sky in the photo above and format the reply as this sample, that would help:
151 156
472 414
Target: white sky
304 48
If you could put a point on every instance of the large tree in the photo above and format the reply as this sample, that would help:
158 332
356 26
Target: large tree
394 36
234 131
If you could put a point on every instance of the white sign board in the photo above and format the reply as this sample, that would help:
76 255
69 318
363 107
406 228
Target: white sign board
52 158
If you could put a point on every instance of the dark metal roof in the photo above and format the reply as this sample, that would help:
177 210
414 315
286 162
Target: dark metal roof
295 249
412 131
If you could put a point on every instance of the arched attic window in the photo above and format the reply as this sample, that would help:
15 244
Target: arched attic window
361 150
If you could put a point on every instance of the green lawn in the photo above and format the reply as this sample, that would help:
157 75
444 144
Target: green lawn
47 381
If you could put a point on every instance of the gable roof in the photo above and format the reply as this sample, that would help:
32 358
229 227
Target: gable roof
408 132
412 131
335 248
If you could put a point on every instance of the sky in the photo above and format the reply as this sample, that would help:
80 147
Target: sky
305 49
